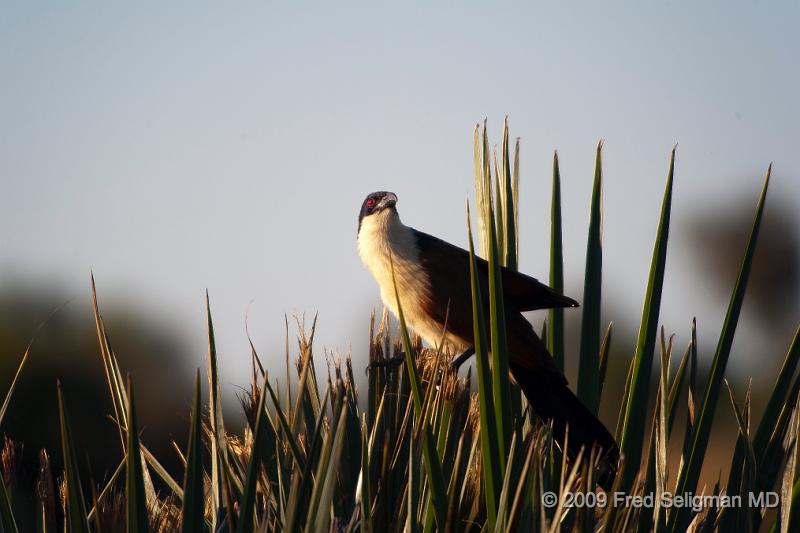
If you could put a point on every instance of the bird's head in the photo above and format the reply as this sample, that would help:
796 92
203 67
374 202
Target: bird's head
377 204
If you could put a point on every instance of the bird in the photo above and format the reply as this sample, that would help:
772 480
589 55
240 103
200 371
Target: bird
433 284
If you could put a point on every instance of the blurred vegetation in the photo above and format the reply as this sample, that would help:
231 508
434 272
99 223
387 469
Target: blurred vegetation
774 286
66 349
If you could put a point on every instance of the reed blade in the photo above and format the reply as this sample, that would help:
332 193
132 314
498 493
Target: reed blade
135 501
690 470
193 491
433 465
75 508
555 317
633 427
490 449
588 370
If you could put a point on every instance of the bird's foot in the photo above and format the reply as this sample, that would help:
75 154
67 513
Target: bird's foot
390 362
461 359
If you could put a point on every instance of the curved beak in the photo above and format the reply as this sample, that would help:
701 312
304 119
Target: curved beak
387 201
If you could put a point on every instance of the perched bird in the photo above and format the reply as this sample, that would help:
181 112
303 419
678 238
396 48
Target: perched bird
433 284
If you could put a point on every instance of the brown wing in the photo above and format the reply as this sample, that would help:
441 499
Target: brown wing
524 292
529 294
448 271
448 268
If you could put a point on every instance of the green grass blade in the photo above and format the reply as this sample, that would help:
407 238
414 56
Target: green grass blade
646 515
480 192
366 489
119 395
110 483
555 317
675 389
501 391
490 450
588 379
413 488
162 473
793 516
7 522
307 404
636 407
257 456
135 502
742 462
193 491
113 377
319 447
433 465
75 508
692 396
776 451
510 195
294 447
622 408
13 386
328 482
313 512
503 508
350 465
522 494
662 430
790 485
218 446
515 197
690 470
770 458
413 375
605 349
487 188
778 397
499 219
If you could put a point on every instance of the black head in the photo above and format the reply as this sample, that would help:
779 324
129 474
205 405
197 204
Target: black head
375 203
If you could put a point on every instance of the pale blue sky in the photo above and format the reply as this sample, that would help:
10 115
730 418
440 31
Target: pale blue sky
173 148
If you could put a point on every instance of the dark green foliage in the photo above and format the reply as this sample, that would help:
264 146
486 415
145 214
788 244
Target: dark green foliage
193 492
75 508
555 317
588 370
690 471
135 502
638 395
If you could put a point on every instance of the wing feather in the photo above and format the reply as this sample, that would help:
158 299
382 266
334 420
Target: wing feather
451 263
448 270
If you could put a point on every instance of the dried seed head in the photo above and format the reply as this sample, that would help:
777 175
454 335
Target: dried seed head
9 459
62 494
45 492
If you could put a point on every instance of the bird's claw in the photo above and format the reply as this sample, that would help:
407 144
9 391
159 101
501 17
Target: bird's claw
386 363
461 359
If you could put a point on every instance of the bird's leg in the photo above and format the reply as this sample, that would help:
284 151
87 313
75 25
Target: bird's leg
389 362
461 359
400 359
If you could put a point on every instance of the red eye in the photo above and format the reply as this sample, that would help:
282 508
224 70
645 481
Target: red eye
371 202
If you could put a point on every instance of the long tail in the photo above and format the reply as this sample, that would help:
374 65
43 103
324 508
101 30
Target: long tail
555 401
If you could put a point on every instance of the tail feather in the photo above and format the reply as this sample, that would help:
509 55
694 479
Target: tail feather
554 401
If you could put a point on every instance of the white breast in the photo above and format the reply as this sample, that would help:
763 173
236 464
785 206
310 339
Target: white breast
383 241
